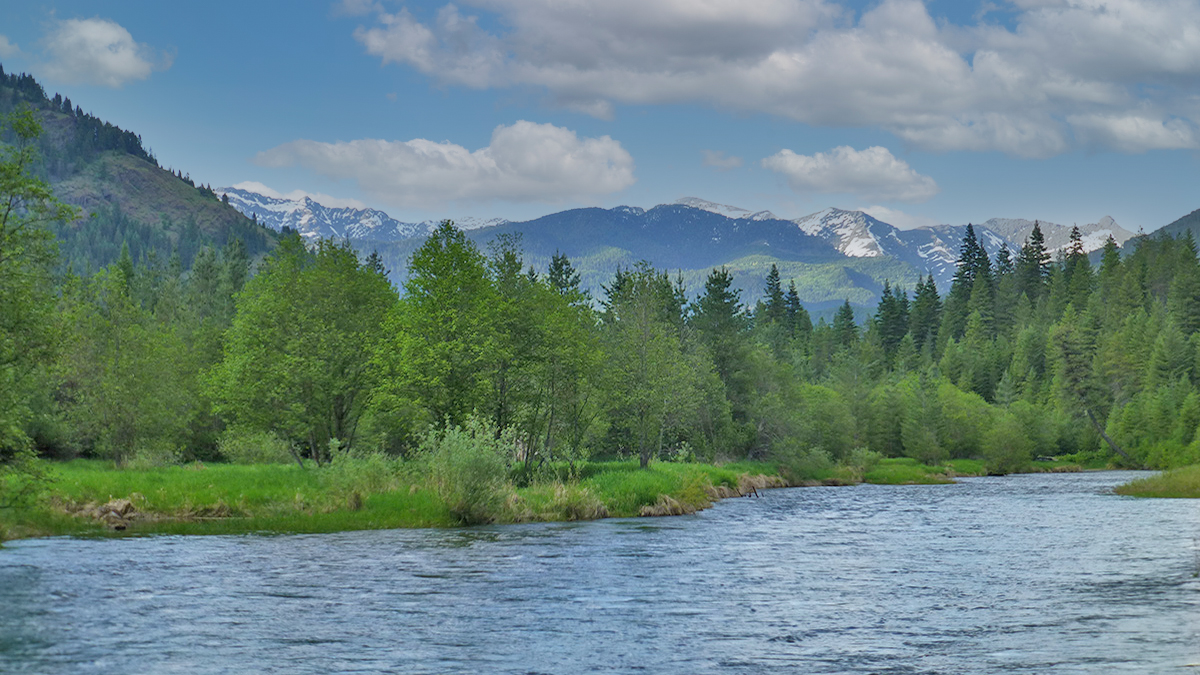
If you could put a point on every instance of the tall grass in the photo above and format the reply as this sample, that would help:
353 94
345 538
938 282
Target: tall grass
1176 483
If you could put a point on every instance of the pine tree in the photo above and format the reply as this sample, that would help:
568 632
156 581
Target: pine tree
798 319
891 317
845 330
925 315
774 301
1033 265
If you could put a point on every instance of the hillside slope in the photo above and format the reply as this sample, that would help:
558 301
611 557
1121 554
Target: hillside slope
124 195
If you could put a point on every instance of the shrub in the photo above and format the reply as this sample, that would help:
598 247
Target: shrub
147 454
798 464
1006 446
243 446
467 468
352 476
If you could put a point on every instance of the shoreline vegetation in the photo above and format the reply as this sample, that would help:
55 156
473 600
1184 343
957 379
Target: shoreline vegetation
98 498
1181 483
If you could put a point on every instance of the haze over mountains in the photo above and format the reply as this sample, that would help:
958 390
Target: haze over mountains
693 235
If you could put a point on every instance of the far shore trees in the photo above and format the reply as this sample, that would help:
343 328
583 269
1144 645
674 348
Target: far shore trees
297 355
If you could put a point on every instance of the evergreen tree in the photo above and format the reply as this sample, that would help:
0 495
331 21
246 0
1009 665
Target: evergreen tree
1033 265
798 319
891 317
925 316
774 301
845 329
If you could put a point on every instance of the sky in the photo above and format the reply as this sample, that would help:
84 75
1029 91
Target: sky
917 112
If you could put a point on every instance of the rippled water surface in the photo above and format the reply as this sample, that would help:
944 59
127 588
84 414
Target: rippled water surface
1024 574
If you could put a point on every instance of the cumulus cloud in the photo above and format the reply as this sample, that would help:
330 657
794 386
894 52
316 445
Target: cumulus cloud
873 173
523 162
1134 133
7 48
318 197
718 160
98 51
938 86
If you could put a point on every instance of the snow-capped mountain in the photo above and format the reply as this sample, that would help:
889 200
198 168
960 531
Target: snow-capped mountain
734 212
314 220
854 233
1057 236
935 249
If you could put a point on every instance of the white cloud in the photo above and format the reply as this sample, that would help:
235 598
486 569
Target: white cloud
900 219
98 51
1134 133
318 197
938 86
873 173
718 160
7 48
524 162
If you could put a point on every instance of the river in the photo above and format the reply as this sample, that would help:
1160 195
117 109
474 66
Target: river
1022 574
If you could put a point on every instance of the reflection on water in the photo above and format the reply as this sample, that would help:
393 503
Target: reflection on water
1025 574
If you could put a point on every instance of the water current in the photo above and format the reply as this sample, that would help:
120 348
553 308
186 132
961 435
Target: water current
1023 574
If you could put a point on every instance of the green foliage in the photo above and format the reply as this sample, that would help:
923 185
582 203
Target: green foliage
1178 483
246 446
467 466
906 471
296 358
23 478
27 209
1007 447
438 338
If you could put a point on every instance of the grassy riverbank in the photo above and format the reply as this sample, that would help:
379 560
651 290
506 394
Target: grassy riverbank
90 497
93 497
1183 482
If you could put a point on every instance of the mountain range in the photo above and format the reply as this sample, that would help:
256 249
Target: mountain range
833 254
313 220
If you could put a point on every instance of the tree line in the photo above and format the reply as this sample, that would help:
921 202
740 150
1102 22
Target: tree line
315 352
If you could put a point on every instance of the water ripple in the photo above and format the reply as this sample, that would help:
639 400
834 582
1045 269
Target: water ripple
1024 574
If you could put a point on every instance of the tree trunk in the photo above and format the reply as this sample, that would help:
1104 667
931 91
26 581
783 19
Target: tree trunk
1111 443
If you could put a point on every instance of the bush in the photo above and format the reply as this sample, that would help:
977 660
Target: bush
23 477
467 468
352 476
243 446
148 454
798 464
1007 447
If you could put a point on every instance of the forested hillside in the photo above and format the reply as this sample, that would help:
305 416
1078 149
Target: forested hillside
125 197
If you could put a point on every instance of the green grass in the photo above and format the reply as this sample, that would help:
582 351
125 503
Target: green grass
906 471
350 495
1182 483
967 467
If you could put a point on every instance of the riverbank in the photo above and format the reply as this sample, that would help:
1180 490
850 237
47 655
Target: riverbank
95 498
1181 483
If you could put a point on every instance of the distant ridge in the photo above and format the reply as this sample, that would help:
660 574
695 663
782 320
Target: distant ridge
839 253
313 220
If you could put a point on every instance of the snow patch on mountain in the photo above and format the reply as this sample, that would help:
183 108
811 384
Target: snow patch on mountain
1017 230
313 220
854 233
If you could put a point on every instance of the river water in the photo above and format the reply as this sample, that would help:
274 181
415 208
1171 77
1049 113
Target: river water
1023 574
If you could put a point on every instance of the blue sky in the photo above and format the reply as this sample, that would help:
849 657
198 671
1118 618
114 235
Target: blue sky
947 112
